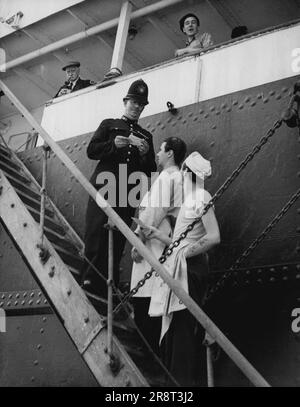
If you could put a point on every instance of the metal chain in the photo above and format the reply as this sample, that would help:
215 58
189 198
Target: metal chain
256 149
253 245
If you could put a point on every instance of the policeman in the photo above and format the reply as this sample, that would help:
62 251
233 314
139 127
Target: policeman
116 142
73 82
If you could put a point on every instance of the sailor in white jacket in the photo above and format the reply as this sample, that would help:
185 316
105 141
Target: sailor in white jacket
159 208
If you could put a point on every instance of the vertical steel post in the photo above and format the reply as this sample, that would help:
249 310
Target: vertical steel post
43 193
110 290
121 37
210 368
208 342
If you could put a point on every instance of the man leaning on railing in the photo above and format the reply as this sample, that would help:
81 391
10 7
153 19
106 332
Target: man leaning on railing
73 81
189 25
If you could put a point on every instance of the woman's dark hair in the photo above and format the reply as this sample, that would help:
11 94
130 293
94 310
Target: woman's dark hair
178 146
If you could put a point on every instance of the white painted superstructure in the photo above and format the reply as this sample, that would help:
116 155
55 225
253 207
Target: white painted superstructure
241 65
31 11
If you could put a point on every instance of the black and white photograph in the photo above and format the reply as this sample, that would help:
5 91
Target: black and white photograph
149 196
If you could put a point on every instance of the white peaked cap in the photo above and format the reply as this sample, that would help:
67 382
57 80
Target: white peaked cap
199 165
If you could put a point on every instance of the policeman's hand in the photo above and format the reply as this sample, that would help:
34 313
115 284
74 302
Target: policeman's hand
134 140
136 257
143 147
121 141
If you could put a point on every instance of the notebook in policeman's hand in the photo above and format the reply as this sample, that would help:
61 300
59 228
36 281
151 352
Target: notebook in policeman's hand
135 141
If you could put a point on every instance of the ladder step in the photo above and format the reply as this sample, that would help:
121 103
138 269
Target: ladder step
8 170
34 203
95 297
8 161
22 187
4 151
49 222
50 232
72 251
61 241
69 258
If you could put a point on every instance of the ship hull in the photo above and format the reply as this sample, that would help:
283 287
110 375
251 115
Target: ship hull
254 308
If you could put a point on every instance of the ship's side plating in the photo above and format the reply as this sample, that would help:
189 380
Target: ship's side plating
225 129
255 308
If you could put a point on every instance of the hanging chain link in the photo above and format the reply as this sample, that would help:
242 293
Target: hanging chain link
256 149
253 245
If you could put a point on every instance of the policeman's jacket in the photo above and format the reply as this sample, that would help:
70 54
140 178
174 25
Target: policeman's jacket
102 148
80 84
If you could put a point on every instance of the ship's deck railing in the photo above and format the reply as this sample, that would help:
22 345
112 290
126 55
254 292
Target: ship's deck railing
203 52
214 47
220 70
213 331
29 137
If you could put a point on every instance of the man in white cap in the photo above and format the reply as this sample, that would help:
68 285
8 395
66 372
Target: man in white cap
188 264
73 82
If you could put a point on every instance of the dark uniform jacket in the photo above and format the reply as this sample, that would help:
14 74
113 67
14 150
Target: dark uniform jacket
102 148
80 84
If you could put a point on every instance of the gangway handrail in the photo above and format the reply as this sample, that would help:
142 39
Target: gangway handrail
250 372
30 136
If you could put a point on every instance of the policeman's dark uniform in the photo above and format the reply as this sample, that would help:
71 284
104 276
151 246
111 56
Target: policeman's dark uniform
102 147
80 84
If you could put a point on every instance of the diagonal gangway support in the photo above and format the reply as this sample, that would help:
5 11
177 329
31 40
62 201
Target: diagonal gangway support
80 319
253 375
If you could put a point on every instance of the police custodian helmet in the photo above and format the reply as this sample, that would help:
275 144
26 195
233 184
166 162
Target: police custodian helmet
139 91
